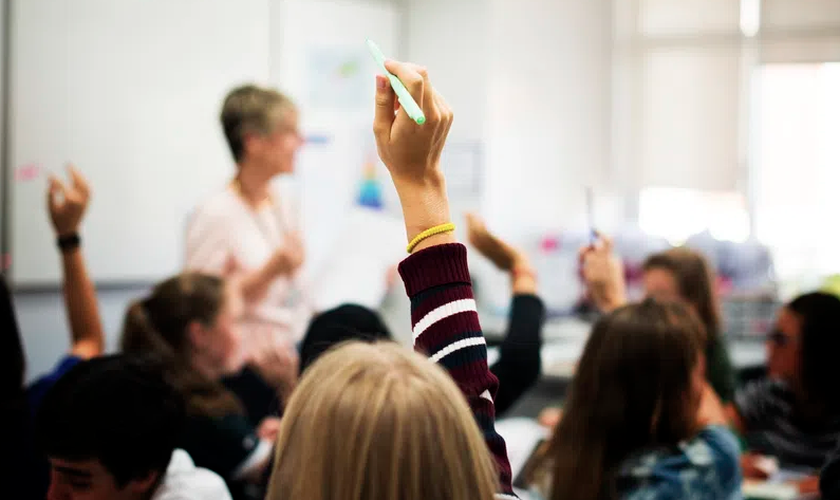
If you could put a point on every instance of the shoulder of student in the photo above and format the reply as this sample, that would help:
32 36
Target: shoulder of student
185 481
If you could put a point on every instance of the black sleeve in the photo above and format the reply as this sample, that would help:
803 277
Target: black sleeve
519 364
830 477
257 397
221 444
756 404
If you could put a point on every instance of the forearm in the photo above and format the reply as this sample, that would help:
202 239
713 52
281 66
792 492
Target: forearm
254 285
446 328
424 207
523 279
520 363
87 334
610 301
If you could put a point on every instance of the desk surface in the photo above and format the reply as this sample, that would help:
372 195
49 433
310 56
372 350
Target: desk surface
564 341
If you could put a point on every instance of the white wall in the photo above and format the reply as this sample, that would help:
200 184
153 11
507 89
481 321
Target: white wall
41 314
531 79
452 38
548 106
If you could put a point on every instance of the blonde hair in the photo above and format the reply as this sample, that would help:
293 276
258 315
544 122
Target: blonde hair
251 109
379 422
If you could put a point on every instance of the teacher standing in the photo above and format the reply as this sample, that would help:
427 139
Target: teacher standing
249 229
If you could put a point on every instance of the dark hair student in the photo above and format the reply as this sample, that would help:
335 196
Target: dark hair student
191 323
639 392
794 413
26 470
110 428
678 274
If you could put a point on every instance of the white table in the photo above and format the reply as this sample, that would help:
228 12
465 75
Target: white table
565 340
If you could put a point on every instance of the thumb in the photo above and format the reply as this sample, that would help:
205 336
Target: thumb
384 117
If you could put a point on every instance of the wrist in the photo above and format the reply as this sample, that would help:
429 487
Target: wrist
424 203
68 242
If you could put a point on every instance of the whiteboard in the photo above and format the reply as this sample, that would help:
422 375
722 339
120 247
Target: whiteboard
129 91
328 175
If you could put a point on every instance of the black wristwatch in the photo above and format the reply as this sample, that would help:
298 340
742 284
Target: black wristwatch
69 242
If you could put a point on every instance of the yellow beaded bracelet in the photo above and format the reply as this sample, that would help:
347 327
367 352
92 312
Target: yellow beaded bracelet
428 233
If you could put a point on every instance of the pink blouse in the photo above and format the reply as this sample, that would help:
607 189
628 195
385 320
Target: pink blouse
225 227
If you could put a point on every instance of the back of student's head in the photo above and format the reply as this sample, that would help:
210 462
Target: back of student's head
379 422
695 283
176 323
251 109
633 389
116 410
344 323
819 316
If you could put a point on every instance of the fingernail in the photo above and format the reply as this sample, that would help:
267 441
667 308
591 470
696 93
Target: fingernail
381 83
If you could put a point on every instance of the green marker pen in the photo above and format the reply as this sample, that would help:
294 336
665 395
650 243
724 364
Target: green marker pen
406 101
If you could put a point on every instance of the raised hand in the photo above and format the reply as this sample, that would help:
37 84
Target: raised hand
411 152
603 274
503 255
269 428
67 203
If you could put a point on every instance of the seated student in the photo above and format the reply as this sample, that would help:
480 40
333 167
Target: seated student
344 323
794 414
110 428
377 422
67 206
641 422
26 471
677 274
518 367
347 322
190 322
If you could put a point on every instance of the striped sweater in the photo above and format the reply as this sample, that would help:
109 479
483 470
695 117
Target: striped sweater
446 328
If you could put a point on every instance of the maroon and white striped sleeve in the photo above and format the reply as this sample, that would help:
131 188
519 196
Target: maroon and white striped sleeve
446 328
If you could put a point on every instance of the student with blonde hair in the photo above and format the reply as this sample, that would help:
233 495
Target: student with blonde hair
378 421
371 422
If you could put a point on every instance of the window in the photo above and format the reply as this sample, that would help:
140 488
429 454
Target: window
797 166
678 213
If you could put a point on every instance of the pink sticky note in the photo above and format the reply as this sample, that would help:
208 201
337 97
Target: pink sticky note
27 172
7 261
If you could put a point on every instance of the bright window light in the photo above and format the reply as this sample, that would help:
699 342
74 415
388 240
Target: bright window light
678 213
750 17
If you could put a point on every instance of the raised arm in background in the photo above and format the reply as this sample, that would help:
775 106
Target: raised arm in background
67 205
603 274
444 318
519 364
